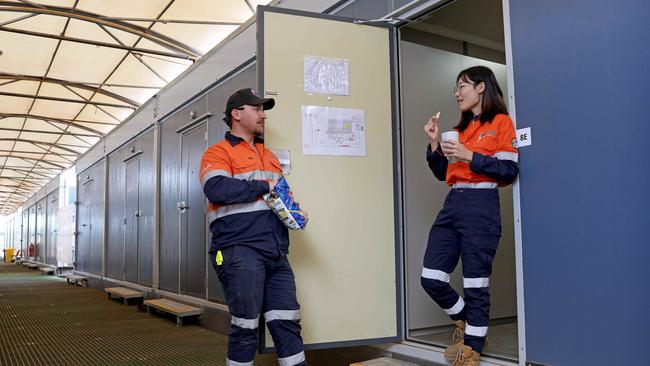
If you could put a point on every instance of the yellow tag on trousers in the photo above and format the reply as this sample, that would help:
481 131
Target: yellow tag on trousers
219 258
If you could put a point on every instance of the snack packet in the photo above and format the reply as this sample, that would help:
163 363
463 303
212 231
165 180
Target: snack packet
282 203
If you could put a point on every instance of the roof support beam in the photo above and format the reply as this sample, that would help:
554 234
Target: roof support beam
97 43
69 83
56 120
11 21
37 143
34 161
49 132
67 100
153 36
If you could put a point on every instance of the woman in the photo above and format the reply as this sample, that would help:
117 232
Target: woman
469 224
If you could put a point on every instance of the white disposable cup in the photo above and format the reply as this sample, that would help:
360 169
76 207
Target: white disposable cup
450 136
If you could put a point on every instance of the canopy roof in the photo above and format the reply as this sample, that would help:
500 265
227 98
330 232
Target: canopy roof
71 70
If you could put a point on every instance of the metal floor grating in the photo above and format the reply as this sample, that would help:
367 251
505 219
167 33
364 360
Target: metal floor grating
44 321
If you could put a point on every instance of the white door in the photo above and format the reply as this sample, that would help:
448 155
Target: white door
346 261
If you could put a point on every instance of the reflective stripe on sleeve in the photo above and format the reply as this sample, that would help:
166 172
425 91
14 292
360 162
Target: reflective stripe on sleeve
212 174
502 155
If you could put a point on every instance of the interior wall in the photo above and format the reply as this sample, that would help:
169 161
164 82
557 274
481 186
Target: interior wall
428 78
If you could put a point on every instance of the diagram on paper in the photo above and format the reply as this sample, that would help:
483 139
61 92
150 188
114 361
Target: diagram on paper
333 131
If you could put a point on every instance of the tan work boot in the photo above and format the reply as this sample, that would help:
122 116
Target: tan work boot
457 339
466 357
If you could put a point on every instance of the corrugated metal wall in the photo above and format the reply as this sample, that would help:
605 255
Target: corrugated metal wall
52 202
115 222
169 196
89 254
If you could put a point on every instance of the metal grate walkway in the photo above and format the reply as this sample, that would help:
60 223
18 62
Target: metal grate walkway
44 321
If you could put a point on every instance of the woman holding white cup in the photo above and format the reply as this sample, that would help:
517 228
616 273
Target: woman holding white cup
478 156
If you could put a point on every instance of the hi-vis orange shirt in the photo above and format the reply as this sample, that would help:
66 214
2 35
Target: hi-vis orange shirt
234 176
495 157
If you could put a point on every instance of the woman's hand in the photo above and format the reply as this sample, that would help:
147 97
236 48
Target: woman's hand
454 149
431 129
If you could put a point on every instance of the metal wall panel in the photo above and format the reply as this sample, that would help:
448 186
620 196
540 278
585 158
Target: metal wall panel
146 198
24 235
169 197
51 227
32 228
216 130
90 219
132 174
193 232
97 247
115 220
580 87
40 243
84 219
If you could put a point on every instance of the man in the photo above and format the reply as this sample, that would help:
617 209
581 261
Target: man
249 242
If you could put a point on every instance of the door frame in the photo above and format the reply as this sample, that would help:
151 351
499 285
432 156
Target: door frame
397 164
413 11
199 122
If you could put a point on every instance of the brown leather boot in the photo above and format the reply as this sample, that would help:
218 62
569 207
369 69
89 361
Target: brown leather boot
457 339
466 357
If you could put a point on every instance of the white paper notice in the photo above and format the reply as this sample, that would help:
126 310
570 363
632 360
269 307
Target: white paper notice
326 75
333 131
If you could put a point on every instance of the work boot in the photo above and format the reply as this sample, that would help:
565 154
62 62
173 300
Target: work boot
466 357
457 340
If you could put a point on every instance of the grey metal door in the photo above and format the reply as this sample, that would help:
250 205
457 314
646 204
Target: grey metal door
24 235
32 229
41 245
132 214
84 227
192 211
51 228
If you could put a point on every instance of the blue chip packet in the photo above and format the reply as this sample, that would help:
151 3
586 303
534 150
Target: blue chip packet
282 203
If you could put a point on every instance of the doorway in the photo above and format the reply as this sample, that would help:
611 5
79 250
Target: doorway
433 49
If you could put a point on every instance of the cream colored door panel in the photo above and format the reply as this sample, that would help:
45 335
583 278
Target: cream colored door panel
345 261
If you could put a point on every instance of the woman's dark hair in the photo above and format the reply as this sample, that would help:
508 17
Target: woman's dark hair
492 102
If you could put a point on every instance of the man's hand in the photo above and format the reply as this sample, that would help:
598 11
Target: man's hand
454 149
305 215
431 129
272 184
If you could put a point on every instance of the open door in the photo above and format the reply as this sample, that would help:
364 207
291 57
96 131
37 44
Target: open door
334 125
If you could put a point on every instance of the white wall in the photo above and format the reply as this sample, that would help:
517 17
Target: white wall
428 77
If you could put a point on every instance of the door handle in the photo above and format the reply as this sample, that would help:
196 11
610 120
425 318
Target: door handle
137 213
182 206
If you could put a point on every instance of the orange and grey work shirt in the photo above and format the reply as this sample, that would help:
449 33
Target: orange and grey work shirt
234 176
495 156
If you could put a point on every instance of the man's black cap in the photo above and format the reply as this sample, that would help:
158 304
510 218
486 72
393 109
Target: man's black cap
247 96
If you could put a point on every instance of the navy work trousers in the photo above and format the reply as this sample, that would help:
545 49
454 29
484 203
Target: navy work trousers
467 227
257 283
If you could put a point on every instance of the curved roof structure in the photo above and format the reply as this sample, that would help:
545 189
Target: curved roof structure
71 70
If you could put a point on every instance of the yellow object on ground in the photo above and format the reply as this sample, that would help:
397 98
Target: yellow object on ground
9 254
